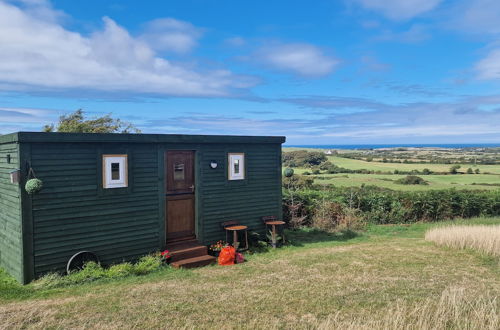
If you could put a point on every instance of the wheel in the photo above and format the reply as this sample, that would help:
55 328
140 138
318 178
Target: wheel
78 260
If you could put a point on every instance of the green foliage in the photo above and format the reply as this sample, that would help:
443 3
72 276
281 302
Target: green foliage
146 264
76 123
33 186
477 171
470 171
288 172
411 179
93 271
454 169
381 206
426 171
303 158
297 182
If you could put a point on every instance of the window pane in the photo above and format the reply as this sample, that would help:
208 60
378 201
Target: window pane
236 166
115 171
178 172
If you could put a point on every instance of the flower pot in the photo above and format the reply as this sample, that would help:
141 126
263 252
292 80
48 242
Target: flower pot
214 253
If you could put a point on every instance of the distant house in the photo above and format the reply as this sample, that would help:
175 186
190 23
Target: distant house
125 195
329 152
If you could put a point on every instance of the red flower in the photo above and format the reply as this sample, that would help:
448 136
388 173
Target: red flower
166 254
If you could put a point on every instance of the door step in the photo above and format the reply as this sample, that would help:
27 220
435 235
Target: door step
194 262
189 254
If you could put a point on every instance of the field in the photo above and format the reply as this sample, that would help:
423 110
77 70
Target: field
383 277
485 239
488 179
356 164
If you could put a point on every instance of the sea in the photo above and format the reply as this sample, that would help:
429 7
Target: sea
378 146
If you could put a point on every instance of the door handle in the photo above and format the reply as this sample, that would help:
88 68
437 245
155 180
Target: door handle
192 188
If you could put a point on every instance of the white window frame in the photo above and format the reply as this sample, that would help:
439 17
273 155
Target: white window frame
107 181
230 160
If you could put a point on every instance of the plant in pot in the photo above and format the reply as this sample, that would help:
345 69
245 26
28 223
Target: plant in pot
214 249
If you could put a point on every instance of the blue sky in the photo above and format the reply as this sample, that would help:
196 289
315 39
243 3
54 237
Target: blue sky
322 72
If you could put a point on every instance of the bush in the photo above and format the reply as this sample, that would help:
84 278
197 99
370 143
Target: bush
146 264
303 158
454 169
334 216
93 271
378 205
411 179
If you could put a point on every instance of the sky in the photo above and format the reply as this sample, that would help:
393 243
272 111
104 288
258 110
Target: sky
317 72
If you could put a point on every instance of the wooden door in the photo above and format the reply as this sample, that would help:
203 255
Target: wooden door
180 200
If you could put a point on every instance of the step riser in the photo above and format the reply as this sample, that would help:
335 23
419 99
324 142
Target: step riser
190 253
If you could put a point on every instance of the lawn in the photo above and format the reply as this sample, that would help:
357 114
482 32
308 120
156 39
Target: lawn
384 277
356 164
387 181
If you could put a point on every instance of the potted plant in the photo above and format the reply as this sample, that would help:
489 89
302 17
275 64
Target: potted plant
214 249
166 257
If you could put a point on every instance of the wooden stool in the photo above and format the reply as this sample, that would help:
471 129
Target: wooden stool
235 227
273 221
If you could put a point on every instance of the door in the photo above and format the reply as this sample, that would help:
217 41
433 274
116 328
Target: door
180 200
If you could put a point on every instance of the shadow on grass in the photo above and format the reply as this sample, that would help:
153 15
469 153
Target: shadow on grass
299 237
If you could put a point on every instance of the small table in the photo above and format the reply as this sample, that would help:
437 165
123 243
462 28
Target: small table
235 230
275 223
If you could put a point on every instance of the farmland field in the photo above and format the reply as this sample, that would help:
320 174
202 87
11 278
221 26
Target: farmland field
322 280
356 164
487 179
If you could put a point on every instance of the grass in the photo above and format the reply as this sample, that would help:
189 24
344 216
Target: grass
356 164
482 238
469 182
384 277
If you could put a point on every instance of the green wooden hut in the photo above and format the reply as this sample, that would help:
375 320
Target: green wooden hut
125 195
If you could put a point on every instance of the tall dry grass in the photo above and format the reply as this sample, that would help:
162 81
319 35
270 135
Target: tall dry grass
482 238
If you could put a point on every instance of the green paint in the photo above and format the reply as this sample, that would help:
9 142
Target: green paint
73 212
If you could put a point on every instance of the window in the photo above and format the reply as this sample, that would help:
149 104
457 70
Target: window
236 166
114 171
179 172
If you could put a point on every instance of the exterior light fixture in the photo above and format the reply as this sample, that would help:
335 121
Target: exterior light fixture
213 164
15 176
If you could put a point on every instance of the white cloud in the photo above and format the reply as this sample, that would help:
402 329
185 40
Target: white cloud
399 9
299 58
476 16
489 67
40 55
371 63
171 35
416 33
235 41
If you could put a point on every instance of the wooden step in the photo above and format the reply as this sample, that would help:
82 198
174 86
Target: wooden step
187 252
194 262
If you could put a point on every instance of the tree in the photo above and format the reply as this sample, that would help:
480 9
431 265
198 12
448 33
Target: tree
477 171
411 179
454 169
76 123
469 171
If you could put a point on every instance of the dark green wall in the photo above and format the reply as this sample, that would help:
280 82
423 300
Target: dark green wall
11 243
247 200
74 213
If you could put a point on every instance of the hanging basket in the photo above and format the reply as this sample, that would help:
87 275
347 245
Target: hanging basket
288 172
33 186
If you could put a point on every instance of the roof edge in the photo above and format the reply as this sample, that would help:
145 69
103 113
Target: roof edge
136 138
9 138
